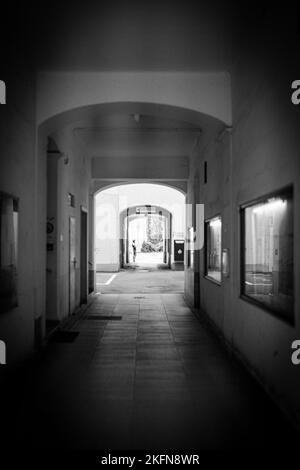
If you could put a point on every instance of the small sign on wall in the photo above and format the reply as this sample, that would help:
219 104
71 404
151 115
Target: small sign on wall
50 234
225 262
145 210
71 200
179 250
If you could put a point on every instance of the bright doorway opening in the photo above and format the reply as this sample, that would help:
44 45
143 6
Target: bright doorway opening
139 228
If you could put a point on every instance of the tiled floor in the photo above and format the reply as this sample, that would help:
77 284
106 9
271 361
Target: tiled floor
142 278
158 378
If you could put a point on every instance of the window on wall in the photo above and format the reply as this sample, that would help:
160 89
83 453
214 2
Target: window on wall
267 253
213 238
8 251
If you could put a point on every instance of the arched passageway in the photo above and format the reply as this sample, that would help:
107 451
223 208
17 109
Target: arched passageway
96 147
146 213
141 368
103 145
152 215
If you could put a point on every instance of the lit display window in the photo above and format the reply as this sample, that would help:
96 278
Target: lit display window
213 256
267 253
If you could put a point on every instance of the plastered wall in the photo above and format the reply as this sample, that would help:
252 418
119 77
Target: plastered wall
73 177
260 155
18 178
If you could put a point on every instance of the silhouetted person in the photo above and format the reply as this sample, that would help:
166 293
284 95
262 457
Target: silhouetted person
134 250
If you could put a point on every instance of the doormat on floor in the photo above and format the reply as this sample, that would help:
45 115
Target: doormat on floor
103 317
64 336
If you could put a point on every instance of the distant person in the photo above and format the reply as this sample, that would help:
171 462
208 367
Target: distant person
134 250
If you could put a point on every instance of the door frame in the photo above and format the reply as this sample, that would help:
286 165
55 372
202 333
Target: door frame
83 255
71 310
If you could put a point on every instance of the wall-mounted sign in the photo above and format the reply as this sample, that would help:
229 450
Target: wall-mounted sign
50 234
145 210
50 227
225 262
71 200
179 250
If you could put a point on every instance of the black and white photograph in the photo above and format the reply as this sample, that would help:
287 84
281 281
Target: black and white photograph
149 232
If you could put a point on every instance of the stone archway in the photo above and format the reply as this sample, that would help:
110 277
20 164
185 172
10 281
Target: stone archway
205 93
202 120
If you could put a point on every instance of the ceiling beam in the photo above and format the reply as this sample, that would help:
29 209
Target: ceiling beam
118 168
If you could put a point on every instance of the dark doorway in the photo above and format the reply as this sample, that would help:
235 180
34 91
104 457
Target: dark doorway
83 257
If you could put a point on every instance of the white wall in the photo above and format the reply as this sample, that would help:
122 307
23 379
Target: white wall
107 230
166 168
73 176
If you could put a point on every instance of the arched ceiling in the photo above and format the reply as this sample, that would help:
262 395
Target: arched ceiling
71 95
100 185
133 141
